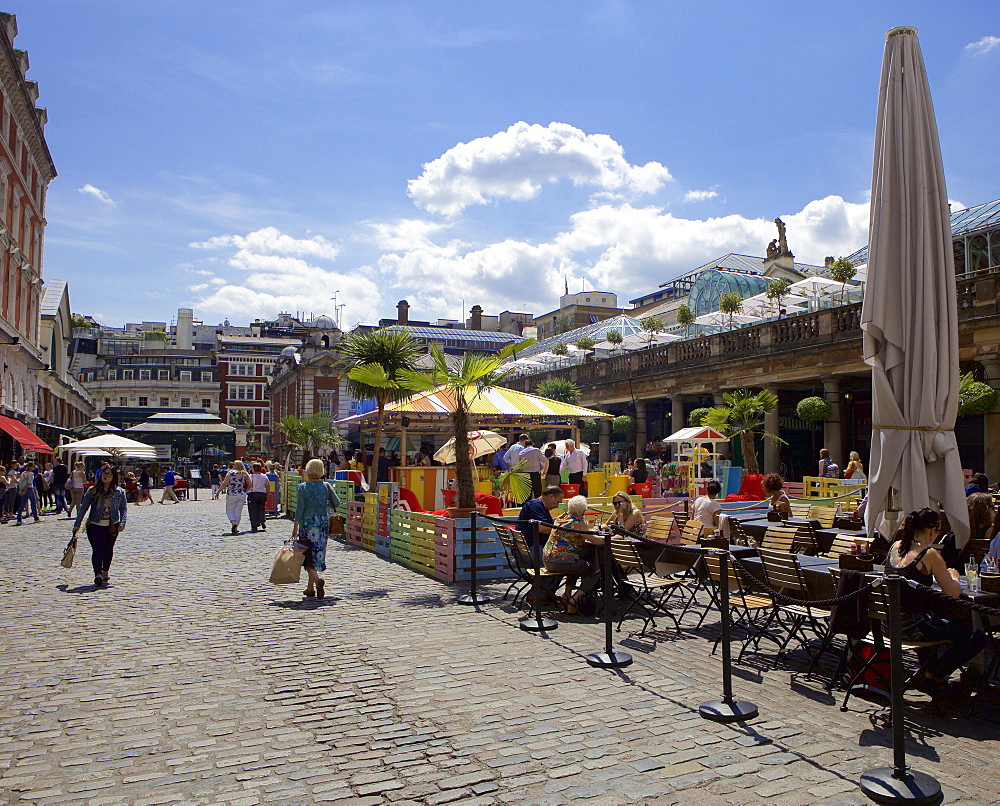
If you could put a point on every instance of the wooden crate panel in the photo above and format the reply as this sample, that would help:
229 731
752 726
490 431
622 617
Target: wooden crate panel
345 492
354 524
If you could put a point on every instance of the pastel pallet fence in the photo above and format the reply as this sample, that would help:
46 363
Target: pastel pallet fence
368 521
412 540
345 492
490 562
289 490
355 518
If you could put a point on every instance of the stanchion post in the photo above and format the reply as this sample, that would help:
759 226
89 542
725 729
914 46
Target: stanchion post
537 624
608 659
473 598
896 784
727 709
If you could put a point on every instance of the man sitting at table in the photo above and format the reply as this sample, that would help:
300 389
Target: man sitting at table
706 509
536 534
915 558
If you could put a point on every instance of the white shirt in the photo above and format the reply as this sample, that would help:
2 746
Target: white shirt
534 459
575 462
513 452
258 483
704 511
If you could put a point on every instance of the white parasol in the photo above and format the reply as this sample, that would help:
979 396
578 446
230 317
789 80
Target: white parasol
114 444
909 319
480 444
561 447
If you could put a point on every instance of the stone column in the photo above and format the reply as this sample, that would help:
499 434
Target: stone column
833 434
604 442
677 421
641 428
991 421
772 450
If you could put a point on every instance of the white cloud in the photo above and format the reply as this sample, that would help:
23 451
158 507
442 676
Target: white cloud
611 247
700 195
270 241
96 193
514 164
984 45
267 272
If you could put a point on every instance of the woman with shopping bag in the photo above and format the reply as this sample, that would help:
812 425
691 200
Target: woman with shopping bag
312 518
105 509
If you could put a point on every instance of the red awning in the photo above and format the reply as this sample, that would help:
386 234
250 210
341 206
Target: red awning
22 434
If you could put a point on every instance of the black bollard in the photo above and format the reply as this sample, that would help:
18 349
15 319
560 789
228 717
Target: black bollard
537 623
473 598
727 709
608 659
896 784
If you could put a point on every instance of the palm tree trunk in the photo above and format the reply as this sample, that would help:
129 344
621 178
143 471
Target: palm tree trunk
749 452
373 470
463 462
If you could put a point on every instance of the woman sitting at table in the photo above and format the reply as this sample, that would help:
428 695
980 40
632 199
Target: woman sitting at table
566 553
915 558
626 516
773 486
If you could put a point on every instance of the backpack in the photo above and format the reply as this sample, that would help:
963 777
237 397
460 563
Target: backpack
587 605
832 470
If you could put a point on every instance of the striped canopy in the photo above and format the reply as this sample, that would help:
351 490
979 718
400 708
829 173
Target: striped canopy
496 406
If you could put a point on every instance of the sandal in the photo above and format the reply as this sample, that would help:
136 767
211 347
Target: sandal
309 594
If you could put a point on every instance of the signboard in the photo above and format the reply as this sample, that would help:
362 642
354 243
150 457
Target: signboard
163 452
388 500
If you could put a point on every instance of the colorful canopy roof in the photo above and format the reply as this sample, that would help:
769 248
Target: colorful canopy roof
496 405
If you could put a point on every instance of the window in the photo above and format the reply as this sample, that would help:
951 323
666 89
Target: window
123 401
126 374
107 402
185 402
241 369
326 402
206 403
265 417
143 374
186 375
143 401
163 374
241 391
206 376
164 402
112 374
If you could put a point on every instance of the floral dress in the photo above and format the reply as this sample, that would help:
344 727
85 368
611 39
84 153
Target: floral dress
311 511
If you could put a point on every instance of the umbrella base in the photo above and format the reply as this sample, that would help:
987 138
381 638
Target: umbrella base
722 711
882 786
538 624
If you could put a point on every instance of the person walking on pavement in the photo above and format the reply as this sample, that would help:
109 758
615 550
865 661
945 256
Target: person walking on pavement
105 508
145 482
312 523
215 477
60 475
169 480
236 483
6 489
77 484
26 489
257 497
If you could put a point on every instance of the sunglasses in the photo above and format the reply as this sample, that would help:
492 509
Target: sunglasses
616 503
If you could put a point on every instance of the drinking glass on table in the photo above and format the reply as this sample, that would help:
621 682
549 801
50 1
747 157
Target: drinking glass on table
991 564
972 575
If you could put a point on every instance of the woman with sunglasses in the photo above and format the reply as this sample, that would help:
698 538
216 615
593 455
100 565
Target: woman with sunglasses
627 516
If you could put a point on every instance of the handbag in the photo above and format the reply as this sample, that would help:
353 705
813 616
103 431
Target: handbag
68 554
287 565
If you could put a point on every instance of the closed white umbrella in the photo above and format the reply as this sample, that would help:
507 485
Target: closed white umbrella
720 319
909 318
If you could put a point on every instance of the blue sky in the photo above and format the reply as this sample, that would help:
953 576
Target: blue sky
253 157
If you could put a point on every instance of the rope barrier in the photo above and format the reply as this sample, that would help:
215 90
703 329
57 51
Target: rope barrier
966 603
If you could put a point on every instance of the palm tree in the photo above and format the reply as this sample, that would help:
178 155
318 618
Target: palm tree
743 414
476 374
561 389
308 433
379 365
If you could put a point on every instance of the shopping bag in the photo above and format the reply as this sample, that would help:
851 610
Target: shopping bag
288 564
68 554
336 525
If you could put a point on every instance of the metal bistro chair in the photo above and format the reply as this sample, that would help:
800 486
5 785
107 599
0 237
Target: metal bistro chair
515 563
749 610
648 591
823 514
784 575
523 553
878 612
840 545
681 566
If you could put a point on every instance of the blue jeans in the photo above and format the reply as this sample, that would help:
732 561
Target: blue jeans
29 495
60 493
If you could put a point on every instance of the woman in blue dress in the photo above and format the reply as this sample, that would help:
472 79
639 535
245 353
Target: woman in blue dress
312 523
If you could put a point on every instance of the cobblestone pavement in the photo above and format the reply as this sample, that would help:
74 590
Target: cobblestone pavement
192 680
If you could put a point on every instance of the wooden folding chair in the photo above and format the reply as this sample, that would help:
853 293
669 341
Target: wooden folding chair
784 575
840 545
515 563
789 539
823 514
648 591
749 610
878 612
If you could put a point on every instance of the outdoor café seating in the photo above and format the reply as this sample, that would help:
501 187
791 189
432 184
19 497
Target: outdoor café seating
645 590
783 574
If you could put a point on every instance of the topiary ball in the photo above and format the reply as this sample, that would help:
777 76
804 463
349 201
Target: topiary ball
813 409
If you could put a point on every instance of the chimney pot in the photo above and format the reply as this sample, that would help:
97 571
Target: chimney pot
402 312
477 317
